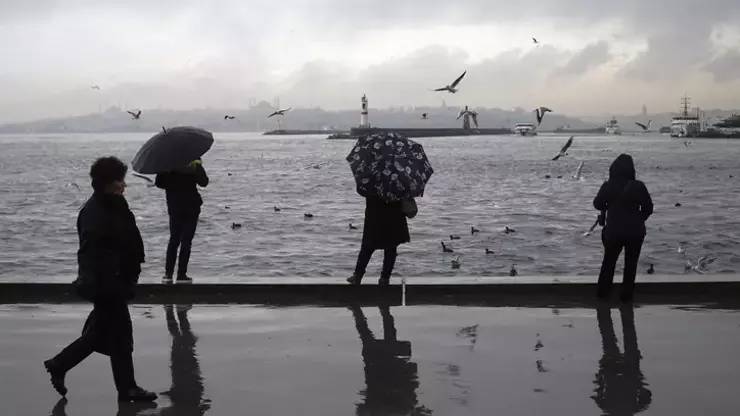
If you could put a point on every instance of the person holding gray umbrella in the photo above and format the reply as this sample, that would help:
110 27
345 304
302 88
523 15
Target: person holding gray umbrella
174 155
390 171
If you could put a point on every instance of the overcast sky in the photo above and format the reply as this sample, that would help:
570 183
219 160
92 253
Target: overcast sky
594 57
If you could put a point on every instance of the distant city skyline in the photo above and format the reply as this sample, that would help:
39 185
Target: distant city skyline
591 59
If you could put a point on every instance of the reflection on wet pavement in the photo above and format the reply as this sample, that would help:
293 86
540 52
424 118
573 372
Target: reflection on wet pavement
382 360
620 385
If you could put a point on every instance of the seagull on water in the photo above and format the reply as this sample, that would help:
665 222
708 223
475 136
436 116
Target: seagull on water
489 251
651 269
454 237
136 115
446 249
473 230
352 227
451 88
513 271
645 127
276 208
508 230
456 262
564 149
279 112
540 113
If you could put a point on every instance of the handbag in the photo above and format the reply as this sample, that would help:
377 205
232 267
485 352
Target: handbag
409 208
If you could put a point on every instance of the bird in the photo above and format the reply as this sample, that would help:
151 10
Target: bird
578 171
316 165
489 251
645 127
149 180
235 225
279 112
651 269
446 249
540 113
681 250
701 264
535 41
451 88
227 207
424 116
508 230
512 271
456 262
540 367
136 115
164 130
564 149
276 208
677 204
308 215
473 230
352 227
95 87
454 237
228 117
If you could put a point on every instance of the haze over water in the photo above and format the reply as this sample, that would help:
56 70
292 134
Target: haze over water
488 182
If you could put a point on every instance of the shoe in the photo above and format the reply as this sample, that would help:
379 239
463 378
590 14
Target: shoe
167 278
137 394
354 279
57 377
184 279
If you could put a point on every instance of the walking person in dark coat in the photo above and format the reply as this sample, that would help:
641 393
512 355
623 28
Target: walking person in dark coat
627 204
109 258
183 207
385 228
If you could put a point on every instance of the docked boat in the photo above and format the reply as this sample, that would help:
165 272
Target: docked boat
612 128
685 124
525 129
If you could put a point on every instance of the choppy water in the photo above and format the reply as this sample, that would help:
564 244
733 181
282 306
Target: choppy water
489 182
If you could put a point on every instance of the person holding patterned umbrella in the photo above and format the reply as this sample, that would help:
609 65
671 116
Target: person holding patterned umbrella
390 171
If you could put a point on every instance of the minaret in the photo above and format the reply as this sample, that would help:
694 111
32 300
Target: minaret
363 115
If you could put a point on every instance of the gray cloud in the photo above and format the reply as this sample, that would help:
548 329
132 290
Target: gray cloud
589 57
726 67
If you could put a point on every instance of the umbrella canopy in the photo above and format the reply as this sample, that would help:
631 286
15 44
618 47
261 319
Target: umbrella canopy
389 166
171 149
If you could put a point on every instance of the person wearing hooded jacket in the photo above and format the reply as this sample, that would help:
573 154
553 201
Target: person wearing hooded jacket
627 204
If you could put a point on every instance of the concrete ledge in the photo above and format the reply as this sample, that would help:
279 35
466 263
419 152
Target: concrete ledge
719 294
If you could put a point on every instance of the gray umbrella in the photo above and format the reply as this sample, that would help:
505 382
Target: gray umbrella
171 149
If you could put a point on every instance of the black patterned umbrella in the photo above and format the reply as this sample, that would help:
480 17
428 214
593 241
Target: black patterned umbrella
389 166
171 149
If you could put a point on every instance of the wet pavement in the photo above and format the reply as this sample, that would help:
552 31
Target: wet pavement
388 360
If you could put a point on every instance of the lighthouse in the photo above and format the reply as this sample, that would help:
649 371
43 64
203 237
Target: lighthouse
363 115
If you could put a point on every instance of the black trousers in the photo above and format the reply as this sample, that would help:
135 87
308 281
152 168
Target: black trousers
108 330
389 260
182 231
612 249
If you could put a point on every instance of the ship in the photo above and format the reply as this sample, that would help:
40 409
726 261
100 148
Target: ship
525 129
365 129
685 124
612 128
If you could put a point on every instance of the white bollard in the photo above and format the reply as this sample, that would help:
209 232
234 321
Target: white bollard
403 291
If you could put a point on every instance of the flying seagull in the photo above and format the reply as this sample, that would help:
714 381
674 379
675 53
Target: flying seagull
280 112
701 264
451 88
540 113
424 116
645 127
95 87
578 171
136 115
535 41
228 117
564 149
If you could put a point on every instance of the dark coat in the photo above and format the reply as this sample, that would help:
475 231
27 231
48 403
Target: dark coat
626 201
385 224
111 250
180 186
